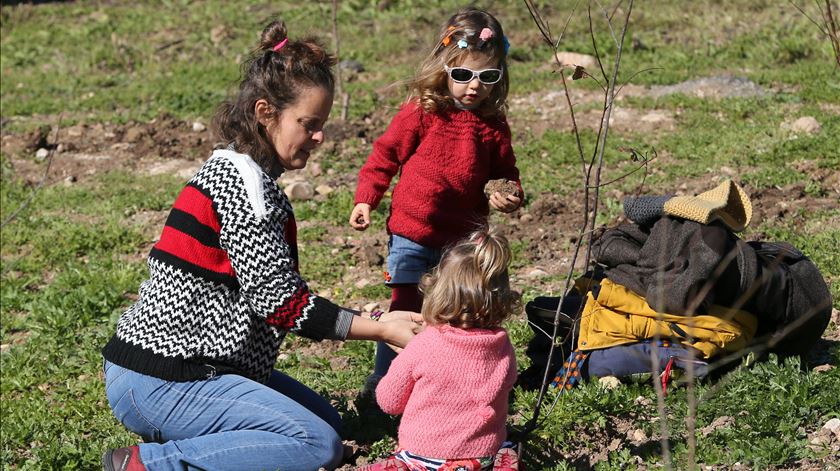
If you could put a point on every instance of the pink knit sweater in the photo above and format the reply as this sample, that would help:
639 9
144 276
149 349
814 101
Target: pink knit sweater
452 386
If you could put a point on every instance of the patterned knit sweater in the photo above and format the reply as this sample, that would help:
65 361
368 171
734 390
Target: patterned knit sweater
223 289
444 160
452 386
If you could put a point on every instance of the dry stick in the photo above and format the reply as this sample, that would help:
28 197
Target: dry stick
832 25
40 183
345 99
587 174
543 27
829 26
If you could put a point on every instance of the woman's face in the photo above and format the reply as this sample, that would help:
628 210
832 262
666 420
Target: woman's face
471 94
299 129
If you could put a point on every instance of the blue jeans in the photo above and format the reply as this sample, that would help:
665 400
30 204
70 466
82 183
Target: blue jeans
408 261
225 423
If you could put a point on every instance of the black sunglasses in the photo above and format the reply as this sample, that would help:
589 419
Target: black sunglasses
465 75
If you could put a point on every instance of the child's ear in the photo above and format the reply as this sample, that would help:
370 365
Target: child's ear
263 111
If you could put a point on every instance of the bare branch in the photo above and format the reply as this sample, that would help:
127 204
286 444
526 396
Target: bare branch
608 17
43 180
538 20
566 25
816 23
641 166
595 46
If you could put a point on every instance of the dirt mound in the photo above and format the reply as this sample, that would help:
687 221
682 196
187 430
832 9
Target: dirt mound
162 145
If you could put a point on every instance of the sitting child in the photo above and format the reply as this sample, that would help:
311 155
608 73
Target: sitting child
452 381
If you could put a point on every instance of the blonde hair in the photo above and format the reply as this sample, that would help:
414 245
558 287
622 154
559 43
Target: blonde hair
470 287
429 86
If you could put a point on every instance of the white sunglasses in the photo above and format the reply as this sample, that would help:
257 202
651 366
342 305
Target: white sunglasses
465 75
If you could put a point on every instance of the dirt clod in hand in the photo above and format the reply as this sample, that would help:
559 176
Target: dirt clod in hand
503 186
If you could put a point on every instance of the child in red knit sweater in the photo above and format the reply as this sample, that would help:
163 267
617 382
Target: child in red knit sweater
446 142
451 383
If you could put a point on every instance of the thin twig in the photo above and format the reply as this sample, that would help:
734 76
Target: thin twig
608 17
595 46
588 223
338 83
37 187
642 165
832 25
556 44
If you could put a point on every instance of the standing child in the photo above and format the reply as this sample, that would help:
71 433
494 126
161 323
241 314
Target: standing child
446 142
451 383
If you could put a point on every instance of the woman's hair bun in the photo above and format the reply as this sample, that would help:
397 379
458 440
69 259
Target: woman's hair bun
272 34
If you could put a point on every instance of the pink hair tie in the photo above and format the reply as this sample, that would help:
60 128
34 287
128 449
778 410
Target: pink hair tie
280 45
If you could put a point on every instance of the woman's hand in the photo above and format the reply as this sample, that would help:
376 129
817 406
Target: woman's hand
401 326
505 204
397 333
395 328
360 217
415 317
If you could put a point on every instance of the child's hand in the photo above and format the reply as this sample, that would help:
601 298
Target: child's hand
505 204
360 217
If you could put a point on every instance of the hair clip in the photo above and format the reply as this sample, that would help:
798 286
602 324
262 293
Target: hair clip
462 43
506 43
280 45
446 40
483 37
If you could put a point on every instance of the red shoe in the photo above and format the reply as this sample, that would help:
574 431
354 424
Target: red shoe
506 460
123 459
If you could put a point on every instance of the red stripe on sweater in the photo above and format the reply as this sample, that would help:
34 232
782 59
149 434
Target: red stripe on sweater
286 315
190 250
198 205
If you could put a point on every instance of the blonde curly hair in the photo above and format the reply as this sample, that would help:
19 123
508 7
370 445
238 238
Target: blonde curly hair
470 287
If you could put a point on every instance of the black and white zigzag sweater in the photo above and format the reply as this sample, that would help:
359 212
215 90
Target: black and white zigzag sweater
223 289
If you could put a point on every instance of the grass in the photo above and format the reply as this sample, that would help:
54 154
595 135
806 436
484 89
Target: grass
74 258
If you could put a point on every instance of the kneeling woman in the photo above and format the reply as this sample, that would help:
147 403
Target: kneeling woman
191 365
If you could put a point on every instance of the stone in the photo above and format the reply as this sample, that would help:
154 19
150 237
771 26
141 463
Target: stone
323 189
806 125
536 273
133 134
573 58
718 423
370 307
639 436
642 401
300 191
350 64
526 217
362 283
42 154
197 126
314 169
833 426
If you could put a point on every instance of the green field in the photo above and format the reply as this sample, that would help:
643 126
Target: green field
112 89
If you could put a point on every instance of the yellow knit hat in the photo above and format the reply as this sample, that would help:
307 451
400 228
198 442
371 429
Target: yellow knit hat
727 202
